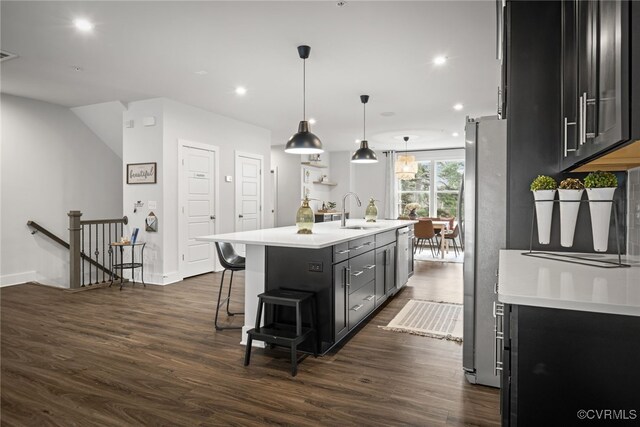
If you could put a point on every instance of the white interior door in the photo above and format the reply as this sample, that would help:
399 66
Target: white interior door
248 192
198 210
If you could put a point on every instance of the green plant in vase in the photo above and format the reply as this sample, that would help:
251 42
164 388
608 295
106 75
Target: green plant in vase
569 192
544 191
601 187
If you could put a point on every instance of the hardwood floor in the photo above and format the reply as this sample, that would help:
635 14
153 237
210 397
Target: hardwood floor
151 356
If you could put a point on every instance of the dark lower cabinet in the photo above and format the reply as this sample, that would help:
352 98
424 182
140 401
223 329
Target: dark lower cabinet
349 279
566 367
385 275
341 295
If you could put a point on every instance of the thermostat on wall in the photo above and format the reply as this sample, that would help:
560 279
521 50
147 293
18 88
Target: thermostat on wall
149 121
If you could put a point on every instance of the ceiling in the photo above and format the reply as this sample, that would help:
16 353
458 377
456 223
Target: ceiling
140 50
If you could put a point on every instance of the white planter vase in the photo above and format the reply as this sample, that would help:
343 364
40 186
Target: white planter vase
544 212
600 216
568 215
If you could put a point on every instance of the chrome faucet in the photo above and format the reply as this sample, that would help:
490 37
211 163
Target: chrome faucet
343 220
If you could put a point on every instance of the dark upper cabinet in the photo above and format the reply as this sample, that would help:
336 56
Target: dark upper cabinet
594 72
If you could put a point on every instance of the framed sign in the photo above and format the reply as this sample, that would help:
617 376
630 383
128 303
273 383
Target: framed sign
141 173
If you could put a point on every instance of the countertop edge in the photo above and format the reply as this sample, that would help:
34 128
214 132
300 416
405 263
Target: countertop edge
357 235
570 305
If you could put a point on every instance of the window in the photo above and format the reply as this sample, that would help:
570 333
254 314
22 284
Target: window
436 188
448 177
417 190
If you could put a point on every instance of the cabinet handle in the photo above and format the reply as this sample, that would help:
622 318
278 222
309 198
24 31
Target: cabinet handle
567 124
367 244
369 298
584 102
358 247
342 252
357 307
498 328
369 267
347 271
581 128
357 273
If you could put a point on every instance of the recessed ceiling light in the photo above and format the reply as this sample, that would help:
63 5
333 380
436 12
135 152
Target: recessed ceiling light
458 107
439 60
455 134
241 90
83 24
312 121
202 72
387 114
76 68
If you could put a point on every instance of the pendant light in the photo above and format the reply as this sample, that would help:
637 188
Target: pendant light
304 142
406 165
364 154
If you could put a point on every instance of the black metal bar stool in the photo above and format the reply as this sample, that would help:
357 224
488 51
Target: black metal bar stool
284 334
231 261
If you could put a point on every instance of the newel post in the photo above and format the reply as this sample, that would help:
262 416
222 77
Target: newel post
74 249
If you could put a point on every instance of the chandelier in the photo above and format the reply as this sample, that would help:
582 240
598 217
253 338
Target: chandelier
406 166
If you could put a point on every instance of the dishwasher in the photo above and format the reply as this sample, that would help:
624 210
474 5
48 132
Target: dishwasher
402 257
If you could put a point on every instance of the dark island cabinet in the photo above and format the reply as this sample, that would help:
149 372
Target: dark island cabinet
595 68
341 298
385 275
557 363
350 280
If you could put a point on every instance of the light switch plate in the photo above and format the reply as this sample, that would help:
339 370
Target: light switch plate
128 124
149 121
228 178
152 204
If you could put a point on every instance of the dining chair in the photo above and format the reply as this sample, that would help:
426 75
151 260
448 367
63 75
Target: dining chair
453 235
424 231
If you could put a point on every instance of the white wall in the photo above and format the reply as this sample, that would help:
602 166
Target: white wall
144 144
288 191
51 163
366 180
176 121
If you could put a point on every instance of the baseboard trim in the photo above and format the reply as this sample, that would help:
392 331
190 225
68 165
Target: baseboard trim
17 278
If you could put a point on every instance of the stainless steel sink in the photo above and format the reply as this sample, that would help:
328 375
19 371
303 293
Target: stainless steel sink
360 227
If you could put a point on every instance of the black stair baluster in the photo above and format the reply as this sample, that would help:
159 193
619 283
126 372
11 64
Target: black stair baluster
89 256
97 254
103 251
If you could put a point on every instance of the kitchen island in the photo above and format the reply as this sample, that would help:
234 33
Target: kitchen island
352 270
567 340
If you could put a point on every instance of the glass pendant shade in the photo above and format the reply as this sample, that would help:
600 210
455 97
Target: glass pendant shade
364 154
304 142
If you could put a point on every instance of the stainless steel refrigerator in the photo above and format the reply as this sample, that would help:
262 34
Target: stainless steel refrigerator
483 227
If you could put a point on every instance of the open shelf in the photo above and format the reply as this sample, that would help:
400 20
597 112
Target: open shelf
315 165
330 184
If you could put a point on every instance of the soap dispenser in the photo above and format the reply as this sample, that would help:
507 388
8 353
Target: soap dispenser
305 218
371 213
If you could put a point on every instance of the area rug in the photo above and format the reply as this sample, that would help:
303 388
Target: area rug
430 319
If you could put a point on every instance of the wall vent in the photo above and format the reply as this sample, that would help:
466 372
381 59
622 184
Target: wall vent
5 56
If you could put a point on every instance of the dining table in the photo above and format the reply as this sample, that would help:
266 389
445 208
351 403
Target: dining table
443 227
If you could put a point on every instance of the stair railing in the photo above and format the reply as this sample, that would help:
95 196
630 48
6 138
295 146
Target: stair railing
90 240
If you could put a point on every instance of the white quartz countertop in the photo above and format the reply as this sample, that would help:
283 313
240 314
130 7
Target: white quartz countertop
549 283
324 234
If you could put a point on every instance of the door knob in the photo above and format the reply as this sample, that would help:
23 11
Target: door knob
212 217
240 216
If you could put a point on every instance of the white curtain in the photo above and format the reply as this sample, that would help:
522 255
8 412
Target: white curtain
390 194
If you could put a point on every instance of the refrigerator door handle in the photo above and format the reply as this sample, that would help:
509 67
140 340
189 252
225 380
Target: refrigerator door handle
498 327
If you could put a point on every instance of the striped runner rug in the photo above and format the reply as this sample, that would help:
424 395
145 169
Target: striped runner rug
430 319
